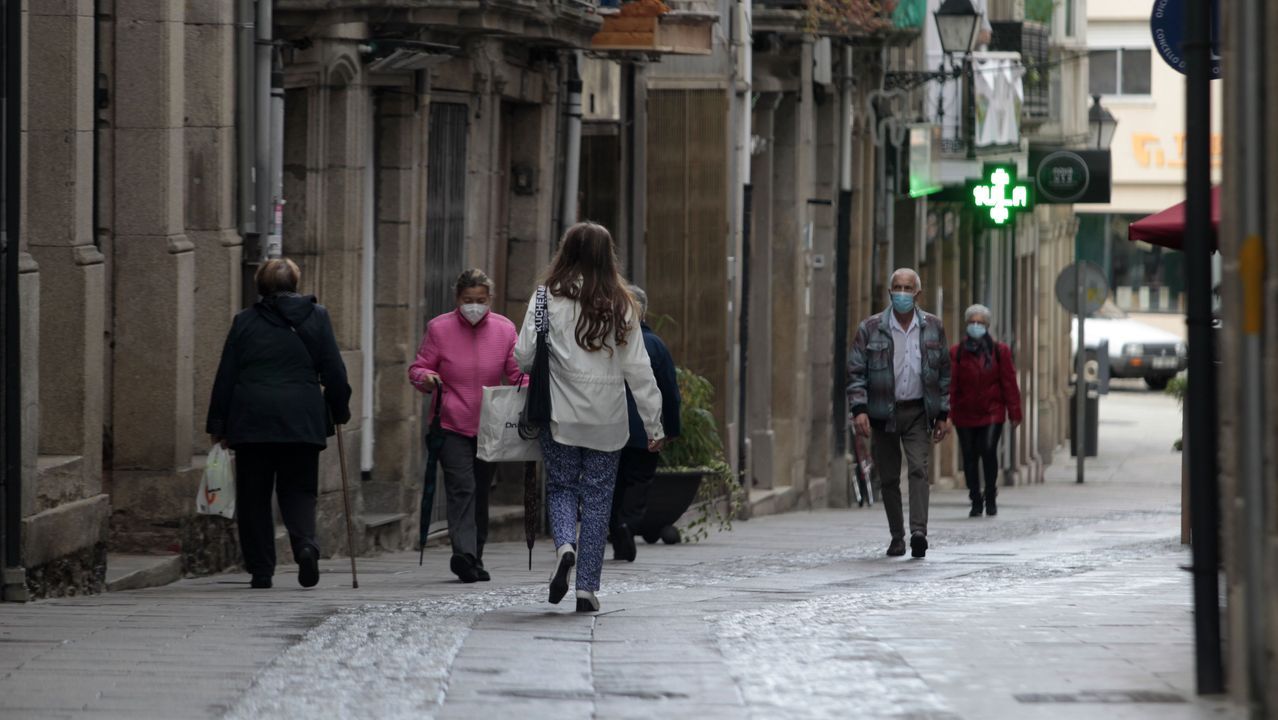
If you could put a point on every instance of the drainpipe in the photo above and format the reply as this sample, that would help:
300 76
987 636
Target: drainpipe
842 250
246 219
275 241
1251 263
572 144
367 297
12 472
263 52
745 80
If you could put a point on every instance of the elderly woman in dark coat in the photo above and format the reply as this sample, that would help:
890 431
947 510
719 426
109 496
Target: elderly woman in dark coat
280 389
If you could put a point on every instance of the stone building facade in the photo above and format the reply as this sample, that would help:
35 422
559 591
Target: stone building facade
134 250
416 139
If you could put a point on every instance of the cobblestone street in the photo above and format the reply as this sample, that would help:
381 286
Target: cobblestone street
1070 604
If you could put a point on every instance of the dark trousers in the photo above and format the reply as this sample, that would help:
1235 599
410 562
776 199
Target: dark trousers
979 446
914 436
289 470
466 482
634 478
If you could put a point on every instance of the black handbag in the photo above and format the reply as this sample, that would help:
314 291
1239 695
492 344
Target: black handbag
536 414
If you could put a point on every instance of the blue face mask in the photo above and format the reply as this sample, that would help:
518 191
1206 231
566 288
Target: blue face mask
976 331
902 302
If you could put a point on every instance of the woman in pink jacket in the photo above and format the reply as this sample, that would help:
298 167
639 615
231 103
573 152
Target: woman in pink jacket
463 352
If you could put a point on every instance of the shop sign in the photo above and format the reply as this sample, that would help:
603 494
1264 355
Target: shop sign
1167 26
1064 176
998 196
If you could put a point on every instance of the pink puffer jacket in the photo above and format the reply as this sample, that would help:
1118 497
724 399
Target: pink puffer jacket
467 359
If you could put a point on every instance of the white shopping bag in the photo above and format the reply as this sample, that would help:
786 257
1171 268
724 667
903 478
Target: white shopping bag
216 495
499 439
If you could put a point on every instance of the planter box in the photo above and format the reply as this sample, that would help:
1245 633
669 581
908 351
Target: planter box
672 33
669 498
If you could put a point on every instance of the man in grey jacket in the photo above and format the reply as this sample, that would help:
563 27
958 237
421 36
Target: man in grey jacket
899 395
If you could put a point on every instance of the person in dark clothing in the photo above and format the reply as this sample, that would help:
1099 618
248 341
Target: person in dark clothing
983 394
638 465
279 391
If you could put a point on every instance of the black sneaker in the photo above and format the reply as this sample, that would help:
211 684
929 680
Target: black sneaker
260 582
991 507
463 566
918 545
307 567
559 581
623 544
896 548
976 508
480 572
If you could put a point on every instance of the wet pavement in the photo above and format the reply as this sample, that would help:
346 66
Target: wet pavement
1069 604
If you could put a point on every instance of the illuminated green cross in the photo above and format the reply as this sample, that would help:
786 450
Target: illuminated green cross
998 195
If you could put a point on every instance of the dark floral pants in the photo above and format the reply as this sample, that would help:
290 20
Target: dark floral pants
579 484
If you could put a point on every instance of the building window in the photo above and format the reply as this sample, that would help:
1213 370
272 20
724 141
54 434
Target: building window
1119 72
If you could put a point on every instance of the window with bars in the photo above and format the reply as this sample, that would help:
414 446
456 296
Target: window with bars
1121 71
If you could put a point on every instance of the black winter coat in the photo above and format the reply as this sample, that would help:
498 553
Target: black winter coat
663 369
268 386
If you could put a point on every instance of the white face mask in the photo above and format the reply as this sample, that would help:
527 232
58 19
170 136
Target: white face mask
474 312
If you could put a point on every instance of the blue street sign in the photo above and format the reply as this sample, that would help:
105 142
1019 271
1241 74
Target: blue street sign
1167 24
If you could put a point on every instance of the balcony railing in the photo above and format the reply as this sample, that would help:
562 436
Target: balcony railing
1031 40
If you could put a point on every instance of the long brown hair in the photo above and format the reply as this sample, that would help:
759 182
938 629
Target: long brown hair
585 270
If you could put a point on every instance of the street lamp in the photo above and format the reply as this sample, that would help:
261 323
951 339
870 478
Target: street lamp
1101 124
956 22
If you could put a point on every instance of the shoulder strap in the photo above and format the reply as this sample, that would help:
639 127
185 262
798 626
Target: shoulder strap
541 311
305 343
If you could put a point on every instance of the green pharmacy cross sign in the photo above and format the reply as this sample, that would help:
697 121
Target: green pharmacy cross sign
998 197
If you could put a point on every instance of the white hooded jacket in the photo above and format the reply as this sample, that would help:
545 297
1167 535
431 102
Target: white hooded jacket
588 389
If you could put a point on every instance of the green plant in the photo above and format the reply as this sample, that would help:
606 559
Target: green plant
1177 387
849 16
1040 10
699 448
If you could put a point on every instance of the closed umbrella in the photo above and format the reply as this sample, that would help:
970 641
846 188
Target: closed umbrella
434 441
532 498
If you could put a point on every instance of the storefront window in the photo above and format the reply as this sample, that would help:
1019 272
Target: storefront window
1142 277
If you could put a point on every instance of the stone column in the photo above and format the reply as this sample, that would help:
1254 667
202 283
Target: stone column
759 358
64 507
400 128
154 264
210 191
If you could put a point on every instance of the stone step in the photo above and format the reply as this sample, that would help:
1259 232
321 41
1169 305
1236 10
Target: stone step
132 572
773 501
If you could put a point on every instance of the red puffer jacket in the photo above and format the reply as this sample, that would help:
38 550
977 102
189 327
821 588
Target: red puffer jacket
981 395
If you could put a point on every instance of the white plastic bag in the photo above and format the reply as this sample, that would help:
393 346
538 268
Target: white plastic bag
499 439
216 495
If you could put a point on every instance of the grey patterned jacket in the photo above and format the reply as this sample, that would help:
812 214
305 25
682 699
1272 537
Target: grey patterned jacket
872 378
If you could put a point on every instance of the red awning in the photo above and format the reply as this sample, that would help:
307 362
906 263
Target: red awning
1167 228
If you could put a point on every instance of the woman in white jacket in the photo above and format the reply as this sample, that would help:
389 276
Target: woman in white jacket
595 350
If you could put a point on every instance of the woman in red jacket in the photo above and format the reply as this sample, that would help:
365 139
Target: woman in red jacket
983 394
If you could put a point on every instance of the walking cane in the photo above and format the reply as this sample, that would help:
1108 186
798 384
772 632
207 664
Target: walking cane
346 502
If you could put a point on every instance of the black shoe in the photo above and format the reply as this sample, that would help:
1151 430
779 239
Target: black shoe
623 544
976 508
559 581
897 547
991 507
481 572
463 566
261 582
307 567
918 545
